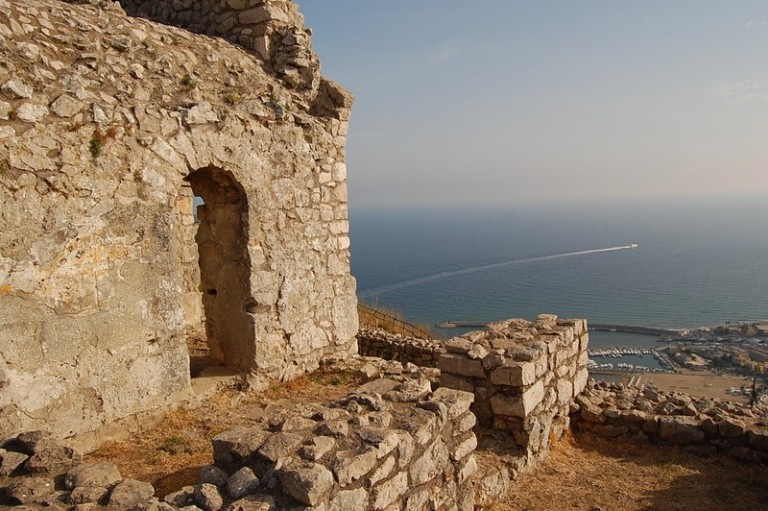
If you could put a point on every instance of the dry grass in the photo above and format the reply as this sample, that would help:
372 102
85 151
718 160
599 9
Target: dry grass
590 473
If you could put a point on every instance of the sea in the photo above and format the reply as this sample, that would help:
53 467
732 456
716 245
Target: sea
667 263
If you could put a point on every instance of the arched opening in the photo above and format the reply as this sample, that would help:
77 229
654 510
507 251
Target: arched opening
222 224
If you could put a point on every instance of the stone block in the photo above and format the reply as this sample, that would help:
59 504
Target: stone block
457 402
680 430
237 445
518 406
580 381
564 392
456 382
131 492
308 484
92 474
430 464
463 366
352 465
390 491
758 439
731 428
464 448
514 373
351 499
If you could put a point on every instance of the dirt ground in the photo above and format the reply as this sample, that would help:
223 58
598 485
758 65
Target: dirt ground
588 473
583 473
695 383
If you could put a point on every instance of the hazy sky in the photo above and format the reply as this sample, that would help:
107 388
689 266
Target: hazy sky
501 101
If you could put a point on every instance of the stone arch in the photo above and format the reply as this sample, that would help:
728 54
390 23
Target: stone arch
222 239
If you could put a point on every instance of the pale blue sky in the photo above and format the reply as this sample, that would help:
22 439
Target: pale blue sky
503 101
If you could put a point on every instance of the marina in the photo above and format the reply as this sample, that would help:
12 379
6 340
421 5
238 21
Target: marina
629 358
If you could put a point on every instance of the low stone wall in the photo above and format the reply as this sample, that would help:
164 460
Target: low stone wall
378 343
704 426
371 450
524 376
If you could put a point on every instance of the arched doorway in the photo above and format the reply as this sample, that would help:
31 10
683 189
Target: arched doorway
225 266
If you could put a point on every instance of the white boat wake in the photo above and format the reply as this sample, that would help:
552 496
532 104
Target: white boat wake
473 269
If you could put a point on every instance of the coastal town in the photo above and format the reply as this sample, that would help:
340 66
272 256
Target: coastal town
740 349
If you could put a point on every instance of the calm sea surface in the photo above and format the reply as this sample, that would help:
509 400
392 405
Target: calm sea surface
696 263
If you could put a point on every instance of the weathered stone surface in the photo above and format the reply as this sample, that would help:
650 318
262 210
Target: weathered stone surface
181 498
29 112
456 401
102 149
130 492
518 374
279 446
412 390
88 495
732 428
208 498
350 499
317 447
429 465
237 445
308 484
253 503
758 439
518 406
92 474
10 461
28 489
351 465
50 457
213 475
389 491
66 106
153 504
456 364
16 89
242 482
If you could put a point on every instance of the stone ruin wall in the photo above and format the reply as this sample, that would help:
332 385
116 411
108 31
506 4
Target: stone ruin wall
386 446
524 375
421 352
272 29
701 425
108 127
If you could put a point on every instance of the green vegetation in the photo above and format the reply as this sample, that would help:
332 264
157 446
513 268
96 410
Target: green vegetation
95 146
99 140
188 82
174 444
233 98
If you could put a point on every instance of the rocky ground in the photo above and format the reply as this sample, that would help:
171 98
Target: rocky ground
584 472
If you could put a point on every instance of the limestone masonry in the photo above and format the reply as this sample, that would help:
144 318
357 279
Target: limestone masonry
109 126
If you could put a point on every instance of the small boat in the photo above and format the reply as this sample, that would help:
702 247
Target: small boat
633 245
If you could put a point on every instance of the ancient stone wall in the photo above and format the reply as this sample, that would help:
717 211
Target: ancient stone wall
524 375
704 426
109 125
378 343
387 446
393 443
272 29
